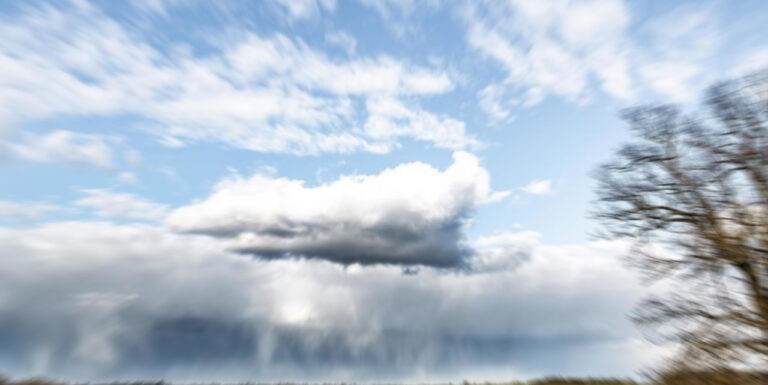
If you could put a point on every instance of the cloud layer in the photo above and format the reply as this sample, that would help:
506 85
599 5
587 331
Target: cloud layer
573 48
109 204
268 93
62 146
410 214
93 301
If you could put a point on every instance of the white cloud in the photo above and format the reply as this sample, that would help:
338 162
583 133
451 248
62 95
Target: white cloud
410 214
503 251
160 7
495 103
62 146
177 307
573 48
306 9
682 44
751 61
343 40
389 119
26 210
398 15
127 177
538 187
386 8
108 204
672 79
272 94
549 48
133 157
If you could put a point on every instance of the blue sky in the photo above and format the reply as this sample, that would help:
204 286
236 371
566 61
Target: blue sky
332 142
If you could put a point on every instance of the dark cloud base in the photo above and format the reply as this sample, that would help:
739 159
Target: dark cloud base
442 247
99 302
361 220
205 349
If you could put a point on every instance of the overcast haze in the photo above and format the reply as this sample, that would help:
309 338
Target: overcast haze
321 190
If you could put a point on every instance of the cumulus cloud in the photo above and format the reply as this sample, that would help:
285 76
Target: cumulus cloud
61 146
503 251
410 214
262 93
96 301
109 204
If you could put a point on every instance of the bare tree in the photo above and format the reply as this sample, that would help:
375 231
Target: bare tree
692 192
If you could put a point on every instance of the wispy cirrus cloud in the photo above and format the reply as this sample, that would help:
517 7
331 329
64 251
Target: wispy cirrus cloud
342 40
61 146
120 205
538 187
575 49
304 9
550 49
263 93
20 210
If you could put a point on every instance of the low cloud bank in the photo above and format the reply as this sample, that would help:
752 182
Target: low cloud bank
94 300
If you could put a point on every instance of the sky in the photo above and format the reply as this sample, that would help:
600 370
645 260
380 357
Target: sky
327 190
